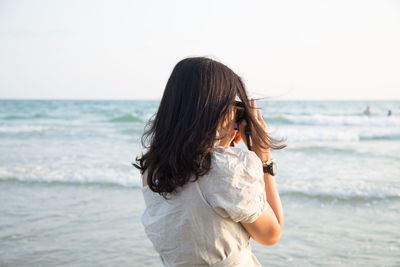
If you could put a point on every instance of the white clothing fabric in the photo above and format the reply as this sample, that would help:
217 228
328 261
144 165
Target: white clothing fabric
199 225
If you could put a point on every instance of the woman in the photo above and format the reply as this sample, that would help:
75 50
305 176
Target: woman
204 196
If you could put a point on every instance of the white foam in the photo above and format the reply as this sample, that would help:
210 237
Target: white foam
91 175
335 134
23 129
318 119
339 190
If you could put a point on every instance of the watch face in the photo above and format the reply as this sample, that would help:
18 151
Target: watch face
270 168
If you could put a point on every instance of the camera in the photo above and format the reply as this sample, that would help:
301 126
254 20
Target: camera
240 116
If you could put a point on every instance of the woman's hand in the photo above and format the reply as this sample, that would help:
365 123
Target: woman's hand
262 153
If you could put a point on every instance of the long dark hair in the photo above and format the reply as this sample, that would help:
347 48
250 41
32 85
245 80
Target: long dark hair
180 137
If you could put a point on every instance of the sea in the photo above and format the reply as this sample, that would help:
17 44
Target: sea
69 195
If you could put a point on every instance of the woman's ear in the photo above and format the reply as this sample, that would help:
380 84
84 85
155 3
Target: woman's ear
238 138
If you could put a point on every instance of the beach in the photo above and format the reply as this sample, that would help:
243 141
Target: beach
69 195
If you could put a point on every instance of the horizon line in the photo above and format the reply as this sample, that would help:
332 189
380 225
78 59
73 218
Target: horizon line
159 99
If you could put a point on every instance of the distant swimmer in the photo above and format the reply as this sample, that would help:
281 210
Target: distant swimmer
367 111
389 113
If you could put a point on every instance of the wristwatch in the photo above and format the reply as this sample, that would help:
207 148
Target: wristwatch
269 166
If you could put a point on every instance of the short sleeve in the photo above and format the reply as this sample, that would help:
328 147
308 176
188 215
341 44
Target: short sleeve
235 186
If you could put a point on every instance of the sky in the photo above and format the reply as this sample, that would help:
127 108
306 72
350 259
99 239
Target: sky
306 50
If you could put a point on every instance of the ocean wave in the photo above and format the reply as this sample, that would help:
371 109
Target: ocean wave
340 120
394 135
127 118
97 176
23 129
322 149
334 134
27 117
328 189
280 119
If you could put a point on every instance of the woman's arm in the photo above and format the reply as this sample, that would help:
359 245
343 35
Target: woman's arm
273 197
267 228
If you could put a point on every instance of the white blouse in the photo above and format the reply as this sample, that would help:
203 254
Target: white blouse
199 225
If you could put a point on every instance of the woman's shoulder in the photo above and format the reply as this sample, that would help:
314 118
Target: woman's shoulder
236 155
235 186
235 163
